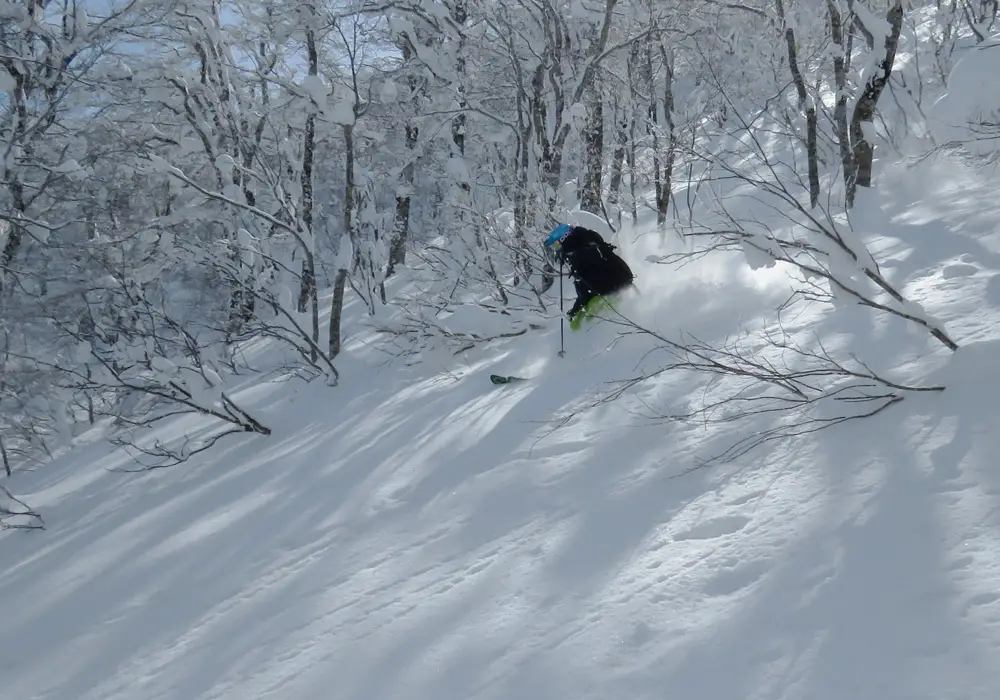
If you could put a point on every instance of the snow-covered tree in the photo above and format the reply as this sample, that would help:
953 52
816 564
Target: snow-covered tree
184 178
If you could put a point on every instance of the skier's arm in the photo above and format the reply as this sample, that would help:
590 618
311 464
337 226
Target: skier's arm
583 296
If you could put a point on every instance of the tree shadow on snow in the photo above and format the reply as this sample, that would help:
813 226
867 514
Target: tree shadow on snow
866 603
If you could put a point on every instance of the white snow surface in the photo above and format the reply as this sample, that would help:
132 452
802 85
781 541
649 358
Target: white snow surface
7 82
971 99
416 533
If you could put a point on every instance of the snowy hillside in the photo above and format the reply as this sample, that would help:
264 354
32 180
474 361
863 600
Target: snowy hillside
258 261
420 534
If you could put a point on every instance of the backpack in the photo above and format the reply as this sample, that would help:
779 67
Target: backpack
596 261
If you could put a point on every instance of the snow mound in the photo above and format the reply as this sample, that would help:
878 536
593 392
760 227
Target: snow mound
969 112
417 532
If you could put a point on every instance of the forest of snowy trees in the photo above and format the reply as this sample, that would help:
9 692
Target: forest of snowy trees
185 179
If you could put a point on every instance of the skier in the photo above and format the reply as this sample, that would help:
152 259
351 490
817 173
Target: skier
596 269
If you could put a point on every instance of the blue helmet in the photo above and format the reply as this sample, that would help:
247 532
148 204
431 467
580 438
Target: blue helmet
558 235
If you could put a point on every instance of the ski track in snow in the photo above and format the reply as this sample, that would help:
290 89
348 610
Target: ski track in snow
416 536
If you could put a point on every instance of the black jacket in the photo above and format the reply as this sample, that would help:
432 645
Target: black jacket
594 265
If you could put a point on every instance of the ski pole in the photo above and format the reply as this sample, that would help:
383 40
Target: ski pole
562 316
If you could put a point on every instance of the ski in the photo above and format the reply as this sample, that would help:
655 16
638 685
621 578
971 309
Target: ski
501 379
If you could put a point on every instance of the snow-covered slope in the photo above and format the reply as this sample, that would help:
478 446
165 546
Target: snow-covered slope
418 534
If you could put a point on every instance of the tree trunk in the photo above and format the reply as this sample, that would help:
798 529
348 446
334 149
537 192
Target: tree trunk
348 238
805 104
653 128
840 58
308 294
522 162
3 455
401 220
400 233
618 159
243 298
633 72
980 22
459 14
15 232
864 111
546 102
591 199
337 311
666 177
